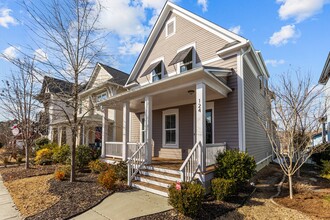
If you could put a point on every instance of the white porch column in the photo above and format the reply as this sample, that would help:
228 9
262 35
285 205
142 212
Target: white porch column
87 135
200 123
126 125
50 133
59 136
148 127
104 131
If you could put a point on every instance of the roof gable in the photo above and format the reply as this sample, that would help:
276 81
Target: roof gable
325 72
201 22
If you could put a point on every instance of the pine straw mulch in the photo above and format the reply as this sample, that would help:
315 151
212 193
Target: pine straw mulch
39 196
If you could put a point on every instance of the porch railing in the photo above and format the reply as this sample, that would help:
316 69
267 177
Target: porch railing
136 161
115 149
211 152
190 166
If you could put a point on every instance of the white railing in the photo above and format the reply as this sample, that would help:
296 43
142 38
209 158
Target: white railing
114 149
190 166
211 152
132 148
135 163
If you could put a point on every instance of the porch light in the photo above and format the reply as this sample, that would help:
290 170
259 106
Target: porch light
191 92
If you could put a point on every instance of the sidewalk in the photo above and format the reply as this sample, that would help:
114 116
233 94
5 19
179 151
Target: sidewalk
8 210
126 205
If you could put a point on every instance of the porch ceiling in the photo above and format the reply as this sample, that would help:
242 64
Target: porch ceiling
169 92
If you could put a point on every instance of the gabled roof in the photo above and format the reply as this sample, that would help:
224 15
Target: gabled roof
55 85
325 72
117 77
169 6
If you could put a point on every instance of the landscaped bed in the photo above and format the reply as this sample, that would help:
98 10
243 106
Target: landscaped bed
39 196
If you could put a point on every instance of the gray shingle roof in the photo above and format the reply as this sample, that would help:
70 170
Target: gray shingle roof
119 77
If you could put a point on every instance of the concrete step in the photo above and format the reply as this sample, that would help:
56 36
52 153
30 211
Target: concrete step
160 175
154 180
150 188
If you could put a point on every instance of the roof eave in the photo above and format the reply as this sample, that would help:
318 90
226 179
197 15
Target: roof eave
325 72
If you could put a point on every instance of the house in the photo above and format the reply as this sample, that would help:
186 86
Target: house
56 94
195 89
324 80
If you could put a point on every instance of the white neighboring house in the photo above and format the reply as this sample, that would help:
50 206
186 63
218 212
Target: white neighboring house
55 95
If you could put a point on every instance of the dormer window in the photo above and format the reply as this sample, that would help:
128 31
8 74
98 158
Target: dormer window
101 97
185 59
170 27
156 70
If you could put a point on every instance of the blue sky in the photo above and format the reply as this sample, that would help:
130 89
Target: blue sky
291 34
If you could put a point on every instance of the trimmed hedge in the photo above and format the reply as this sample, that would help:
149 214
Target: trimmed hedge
222 188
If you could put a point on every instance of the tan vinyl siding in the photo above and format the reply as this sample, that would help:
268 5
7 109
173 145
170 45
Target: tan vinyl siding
102 76
230 63
257 143
207 44
135 128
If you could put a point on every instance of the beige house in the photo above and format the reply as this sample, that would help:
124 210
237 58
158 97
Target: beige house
195 89
56 94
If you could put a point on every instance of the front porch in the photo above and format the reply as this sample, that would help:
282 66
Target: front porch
170 119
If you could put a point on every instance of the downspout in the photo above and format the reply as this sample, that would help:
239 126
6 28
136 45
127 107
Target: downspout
242 99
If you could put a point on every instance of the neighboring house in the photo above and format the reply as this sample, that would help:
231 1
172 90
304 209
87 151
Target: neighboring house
195 89
56 94
324 80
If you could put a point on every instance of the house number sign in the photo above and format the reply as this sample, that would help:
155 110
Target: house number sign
199 105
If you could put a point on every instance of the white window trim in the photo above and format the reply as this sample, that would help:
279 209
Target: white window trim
174 27
163 67
194 56
142 117
176 113
209 106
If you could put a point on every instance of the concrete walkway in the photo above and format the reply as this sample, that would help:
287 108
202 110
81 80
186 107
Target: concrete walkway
8 210
126 205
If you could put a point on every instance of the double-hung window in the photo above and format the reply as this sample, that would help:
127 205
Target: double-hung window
209 126
171 128
157 73
187 63
102 97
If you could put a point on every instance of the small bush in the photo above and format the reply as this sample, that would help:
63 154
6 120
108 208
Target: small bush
235 165
107 179
42 141
121 171
83 156
98 166
59 175
43 156
325 167
65 168
222 188
96 153
61 154
186 198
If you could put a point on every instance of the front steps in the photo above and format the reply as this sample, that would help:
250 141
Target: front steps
156 179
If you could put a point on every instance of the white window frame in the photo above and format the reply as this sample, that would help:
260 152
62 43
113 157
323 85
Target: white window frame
194 56
209 106
100 96
142 117
167 35
163 68
176 113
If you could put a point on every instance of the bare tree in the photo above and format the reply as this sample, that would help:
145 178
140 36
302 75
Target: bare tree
17 101
71 42
297 105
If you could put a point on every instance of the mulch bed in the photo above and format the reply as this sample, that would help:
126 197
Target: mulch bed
76 197
210 209
311 194
15 173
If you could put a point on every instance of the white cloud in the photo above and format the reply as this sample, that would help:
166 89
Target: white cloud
300 9
130 48
40 55
283 36
236 29
6 18
10 53
275 63
203 3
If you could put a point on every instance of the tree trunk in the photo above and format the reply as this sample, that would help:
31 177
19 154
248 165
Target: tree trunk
27 159
290 187
73 156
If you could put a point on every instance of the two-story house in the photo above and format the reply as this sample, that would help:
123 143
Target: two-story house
195 89
56 94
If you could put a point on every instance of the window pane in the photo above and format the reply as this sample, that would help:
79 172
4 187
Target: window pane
143 136
170 121
142 123
209 127
170 136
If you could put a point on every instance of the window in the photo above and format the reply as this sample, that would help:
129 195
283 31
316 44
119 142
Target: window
209 126
170 27
170 128
142 129
102 97
187 63
157 73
